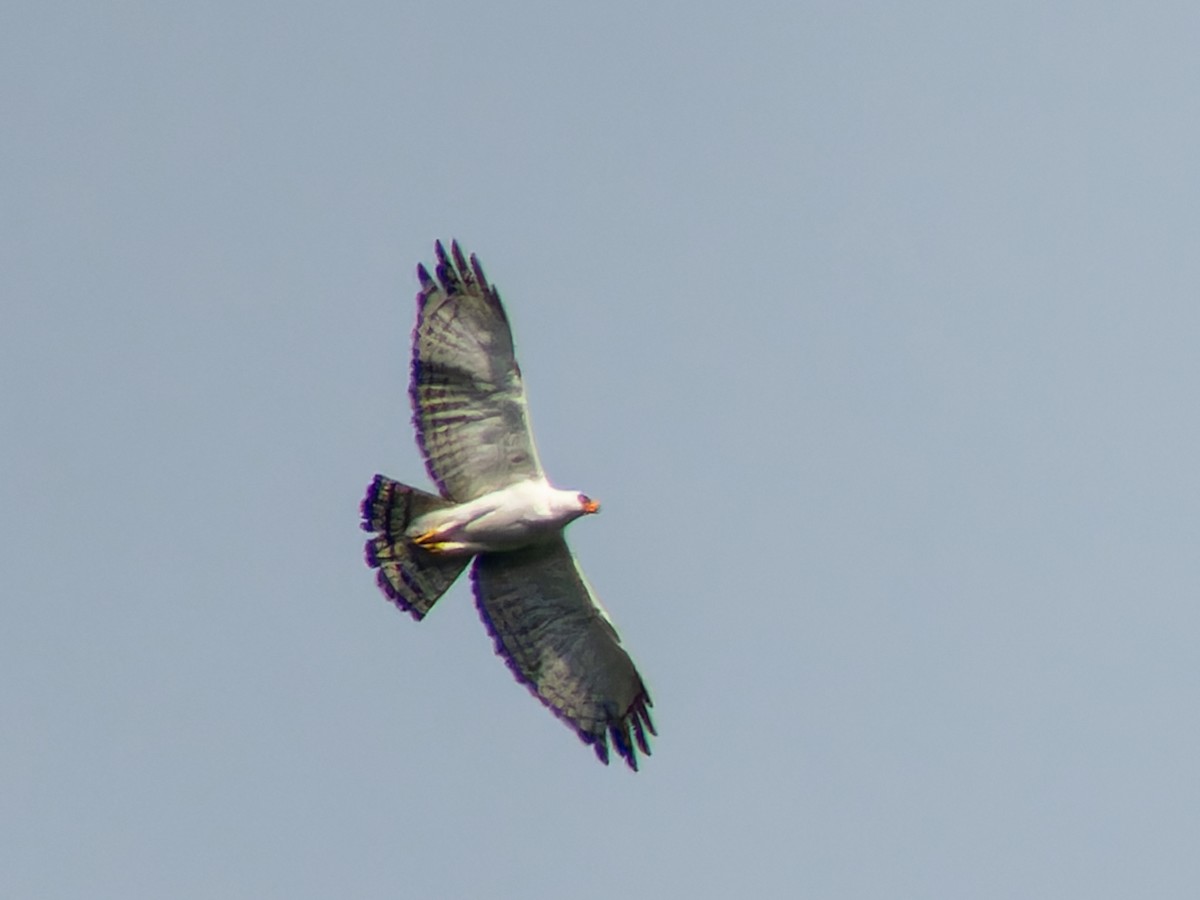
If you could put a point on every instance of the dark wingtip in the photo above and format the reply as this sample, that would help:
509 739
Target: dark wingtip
639 734
620 740
477 269
626 734
629 733
460 263
439 251
600 745
645 713
447 272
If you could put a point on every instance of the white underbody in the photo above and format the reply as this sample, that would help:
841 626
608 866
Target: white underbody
521 514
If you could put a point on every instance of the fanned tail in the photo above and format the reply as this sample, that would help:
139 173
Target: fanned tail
411 577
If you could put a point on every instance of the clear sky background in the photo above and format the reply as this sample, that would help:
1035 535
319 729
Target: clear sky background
873 325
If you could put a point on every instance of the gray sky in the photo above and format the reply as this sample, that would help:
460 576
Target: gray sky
874 326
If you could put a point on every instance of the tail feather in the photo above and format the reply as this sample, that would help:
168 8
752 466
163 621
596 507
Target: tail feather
411 577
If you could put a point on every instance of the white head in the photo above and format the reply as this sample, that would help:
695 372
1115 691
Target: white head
572 504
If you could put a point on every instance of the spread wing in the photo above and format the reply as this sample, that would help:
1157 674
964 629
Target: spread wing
468 400
560 644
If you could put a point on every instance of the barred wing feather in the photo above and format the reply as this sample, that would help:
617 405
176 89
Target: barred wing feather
560 644
468 400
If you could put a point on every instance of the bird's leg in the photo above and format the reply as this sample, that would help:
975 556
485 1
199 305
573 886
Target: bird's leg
434 540
429 537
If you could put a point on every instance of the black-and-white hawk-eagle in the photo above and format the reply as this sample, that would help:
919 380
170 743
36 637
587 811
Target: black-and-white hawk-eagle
496 507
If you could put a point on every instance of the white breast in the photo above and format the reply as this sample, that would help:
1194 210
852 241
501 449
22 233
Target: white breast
520 514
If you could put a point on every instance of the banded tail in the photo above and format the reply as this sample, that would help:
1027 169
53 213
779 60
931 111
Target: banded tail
411 578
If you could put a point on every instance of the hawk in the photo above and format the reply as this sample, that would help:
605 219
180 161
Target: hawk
496 510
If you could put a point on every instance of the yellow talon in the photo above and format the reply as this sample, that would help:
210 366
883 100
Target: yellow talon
433 541
428 540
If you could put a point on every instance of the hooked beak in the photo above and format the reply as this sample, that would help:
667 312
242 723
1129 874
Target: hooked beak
591 506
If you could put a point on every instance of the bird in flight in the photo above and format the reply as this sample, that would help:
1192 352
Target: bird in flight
496 507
